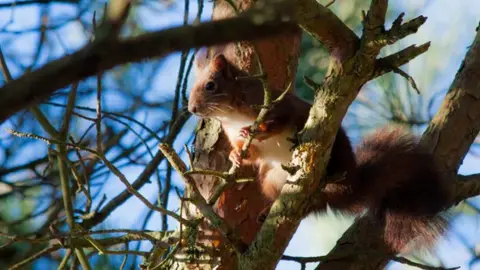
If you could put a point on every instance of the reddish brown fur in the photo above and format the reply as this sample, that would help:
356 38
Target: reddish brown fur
390 175
410 190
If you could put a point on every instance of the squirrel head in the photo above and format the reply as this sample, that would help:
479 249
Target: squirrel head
214 90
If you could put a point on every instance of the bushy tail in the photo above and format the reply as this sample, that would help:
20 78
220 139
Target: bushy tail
401 182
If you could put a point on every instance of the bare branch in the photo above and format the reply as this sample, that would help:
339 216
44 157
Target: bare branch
388 63
399 31
466 187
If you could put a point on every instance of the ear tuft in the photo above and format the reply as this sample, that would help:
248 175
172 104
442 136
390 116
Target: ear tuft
219 63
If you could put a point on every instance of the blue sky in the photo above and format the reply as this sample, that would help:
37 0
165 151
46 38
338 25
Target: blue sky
316 235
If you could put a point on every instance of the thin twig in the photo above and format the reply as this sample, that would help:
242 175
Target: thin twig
113 169
124 262
63 171
404 260
329 3
124 180
30 259
64 261
98 122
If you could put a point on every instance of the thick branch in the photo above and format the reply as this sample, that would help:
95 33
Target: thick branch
373 29
454 128
105 54
325 26
466 187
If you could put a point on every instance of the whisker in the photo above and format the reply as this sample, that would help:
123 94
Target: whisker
217 108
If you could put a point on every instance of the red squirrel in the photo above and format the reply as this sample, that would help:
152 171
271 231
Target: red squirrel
389 173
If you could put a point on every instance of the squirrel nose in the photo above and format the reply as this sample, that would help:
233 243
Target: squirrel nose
192 108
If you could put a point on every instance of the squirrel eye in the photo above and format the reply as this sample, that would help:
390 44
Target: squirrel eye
211 86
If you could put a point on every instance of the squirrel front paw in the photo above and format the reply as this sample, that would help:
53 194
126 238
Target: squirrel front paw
244 132
260 134
250 158
235 157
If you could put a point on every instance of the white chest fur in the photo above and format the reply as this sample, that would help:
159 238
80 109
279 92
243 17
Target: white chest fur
274 151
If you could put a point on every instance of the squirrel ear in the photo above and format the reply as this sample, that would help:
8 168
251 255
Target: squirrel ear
219 63
201 58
